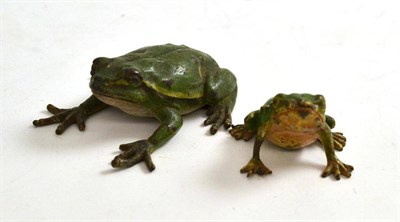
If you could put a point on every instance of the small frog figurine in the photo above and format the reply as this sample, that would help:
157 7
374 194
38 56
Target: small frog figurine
161 81
292 121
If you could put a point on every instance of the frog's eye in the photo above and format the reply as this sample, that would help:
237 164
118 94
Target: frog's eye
319 99
133 75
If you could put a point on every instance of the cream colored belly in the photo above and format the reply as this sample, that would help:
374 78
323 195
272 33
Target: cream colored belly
292 131
133 109
292 140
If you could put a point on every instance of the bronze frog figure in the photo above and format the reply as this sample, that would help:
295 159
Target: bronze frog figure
162 81
292 121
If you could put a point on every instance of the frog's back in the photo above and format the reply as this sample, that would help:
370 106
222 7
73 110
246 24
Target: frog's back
173 70
152 51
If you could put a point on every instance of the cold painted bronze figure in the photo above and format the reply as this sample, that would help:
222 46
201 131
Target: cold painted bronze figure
163 81
292 121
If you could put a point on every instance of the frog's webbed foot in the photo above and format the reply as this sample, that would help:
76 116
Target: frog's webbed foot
218 115
339 141
66 117
240 132
337 168
255 166
134 153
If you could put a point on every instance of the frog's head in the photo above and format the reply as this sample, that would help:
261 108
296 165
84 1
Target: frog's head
111 77
283 102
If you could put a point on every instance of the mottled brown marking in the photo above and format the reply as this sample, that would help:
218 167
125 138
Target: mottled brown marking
304 113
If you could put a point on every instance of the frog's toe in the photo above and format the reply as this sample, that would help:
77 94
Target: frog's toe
339 141
255 166
58 117
70 119
46 121
337 168
338 146
228 122
237 131
240 132
54 110
217 117
134 153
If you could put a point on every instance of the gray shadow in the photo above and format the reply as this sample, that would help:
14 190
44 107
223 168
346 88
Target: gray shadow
110 126
236 155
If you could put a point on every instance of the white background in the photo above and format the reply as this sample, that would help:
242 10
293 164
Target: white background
348 51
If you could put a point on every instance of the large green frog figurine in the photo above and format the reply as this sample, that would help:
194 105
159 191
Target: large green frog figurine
162 81
292 121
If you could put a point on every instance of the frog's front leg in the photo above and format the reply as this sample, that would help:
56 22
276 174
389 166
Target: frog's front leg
141 150
67 117
255 165
334 165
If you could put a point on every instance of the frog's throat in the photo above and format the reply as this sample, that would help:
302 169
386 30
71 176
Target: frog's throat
134 109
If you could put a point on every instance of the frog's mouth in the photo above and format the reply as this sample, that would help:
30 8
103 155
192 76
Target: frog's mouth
110 100
129 107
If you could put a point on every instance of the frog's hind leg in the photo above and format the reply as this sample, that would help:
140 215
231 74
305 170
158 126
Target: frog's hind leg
339 140
330 121
220 95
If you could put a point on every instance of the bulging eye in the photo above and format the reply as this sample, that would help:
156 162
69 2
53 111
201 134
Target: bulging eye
319 99
133 75
278 99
